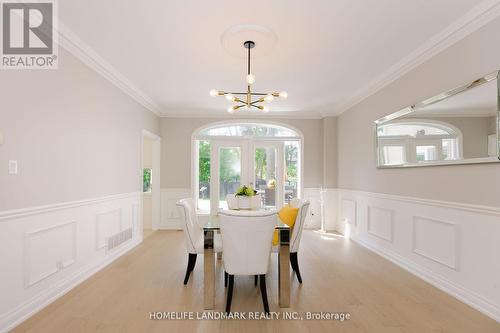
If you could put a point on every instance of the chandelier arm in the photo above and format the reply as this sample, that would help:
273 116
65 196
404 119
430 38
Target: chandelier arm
237 93
260 100
259 94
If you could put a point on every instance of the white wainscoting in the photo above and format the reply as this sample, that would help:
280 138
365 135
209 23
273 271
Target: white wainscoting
451 245
46 251
170 218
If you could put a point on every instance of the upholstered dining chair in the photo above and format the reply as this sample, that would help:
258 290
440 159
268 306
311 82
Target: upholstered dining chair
303 206
193 234
246 247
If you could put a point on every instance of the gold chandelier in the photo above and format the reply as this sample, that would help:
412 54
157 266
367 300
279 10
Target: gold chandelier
246 97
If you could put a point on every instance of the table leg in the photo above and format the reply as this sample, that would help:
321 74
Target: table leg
284 268
209 270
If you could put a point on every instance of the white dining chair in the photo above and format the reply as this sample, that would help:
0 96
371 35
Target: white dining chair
303 206
246 247
193 234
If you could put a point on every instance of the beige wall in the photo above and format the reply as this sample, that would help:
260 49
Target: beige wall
472 57
176 149
74 134
330 152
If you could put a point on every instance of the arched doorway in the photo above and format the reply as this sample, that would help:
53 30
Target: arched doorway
264 155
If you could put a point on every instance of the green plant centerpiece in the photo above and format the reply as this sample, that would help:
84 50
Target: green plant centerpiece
246 191
247 198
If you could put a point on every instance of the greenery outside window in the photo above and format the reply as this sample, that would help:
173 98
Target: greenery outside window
147 180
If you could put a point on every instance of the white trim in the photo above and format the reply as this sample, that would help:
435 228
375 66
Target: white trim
456 233
467 296
16 316
82 51
273 115
489 210
28 281
23 212
155 193
477 17
454 275
389 238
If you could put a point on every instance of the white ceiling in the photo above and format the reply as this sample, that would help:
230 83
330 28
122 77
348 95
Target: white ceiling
328 52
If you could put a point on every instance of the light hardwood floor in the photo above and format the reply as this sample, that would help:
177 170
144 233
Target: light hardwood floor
338 275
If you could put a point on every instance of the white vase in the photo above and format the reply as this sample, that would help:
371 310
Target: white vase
244 202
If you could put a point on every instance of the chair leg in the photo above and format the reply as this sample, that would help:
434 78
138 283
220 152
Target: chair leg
229 293
295 265
225 279
190 266
263 291
255 280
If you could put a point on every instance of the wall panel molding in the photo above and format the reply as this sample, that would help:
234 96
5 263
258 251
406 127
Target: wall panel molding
448 244
170 218
380 222
450 241
490 210
53 248
24 212
58 263
348 210
104 223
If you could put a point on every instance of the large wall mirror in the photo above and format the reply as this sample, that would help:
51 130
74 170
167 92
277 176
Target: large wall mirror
459 126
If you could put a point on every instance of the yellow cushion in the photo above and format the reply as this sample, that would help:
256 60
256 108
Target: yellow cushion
287 215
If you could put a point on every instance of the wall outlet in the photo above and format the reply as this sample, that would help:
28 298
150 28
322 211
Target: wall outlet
13 167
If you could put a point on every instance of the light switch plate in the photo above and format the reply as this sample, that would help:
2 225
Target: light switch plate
1 138
13 167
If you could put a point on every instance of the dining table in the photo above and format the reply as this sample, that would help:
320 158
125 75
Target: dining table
211 228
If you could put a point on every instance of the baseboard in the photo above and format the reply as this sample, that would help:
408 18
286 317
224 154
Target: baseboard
16 316
468 297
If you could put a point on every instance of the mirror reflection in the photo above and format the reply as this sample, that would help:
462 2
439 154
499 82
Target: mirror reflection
458 126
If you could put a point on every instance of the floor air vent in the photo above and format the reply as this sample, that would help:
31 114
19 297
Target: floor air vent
118 239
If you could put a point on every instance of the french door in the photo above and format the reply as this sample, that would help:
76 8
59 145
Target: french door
258 163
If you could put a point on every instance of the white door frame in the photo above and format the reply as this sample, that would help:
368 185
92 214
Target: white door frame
241 143
155 188
280 168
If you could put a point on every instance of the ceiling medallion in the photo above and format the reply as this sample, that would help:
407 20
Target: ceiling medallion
244 99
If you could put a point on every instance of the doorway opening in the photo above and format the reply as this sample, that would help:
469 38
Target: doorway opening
150 182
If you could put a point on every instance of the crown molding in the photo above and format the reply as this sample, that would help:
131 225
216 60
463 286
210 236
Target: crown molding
77 47
476 18
269 115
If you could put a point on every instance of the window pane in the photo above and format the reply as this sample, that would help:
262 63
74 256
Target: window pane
265 175
393 155
147 180
204 176
291 170
414 130
426 153
229 173
257 130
